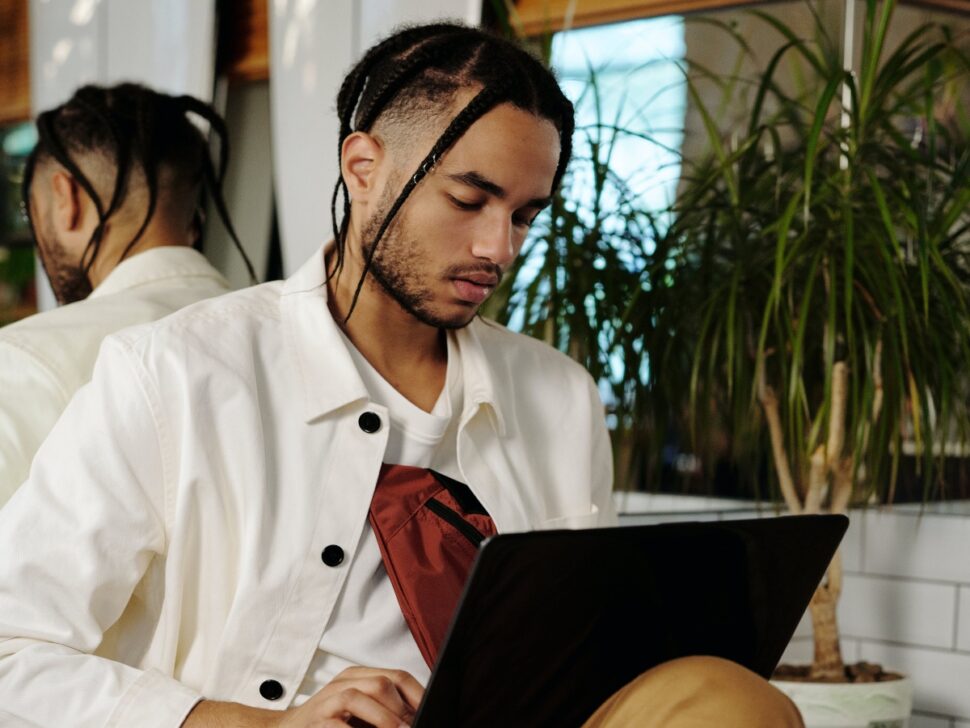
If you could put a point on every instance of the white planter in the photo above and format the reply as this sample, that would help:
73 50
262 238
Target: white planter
845 705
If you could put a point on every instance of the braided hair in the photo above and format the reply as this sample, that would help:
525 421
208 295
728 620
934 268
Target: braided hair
418 71
135 129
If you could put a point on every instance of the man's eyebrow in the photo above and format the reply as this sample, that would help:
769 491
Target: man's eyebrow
474 179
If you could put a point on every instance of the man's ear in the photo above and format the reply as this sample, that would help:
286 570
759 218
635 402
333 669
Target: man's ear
360 163
66 201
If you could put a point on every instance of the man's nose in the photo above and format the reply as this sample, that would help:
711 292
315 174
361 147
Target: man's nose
495 241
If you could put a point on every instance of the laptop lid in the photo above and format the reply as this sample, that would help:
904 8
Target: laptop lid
551 623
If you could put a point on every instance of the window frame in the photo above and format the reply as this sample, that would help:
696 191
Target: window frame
537 17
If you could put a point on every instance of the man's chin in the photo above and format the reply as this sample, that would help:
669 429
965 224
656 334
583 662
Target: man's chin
447 320
454 325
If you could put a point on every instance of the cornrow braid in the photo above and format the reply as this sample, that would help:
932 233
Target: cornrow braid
134 128
415 62
347 101
420 69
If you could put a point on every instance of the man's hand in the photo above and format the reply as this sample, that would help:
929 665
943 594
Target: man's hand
357 696
381 698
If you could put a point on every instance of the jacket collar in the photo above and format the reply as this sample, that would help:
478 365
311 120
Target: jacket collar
314 337
154 264
480 372
327 373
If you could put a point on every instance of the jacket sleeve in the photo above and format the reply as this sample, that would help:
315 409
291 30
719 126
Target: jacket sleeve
31 400
75 540
601 453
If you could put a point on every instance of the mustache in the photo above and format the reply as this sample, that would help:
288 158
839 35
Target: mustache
463 271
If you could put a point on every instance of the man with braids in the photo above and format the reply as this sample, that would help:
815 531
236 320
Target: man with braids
112 192
275 496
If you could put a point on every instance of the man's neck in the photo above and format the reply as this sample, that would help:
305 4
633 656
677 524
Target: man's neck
116 241
411 355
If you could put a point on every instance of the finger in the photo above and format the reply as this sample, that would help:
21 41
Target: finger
363 706
410 689
408 686
383 689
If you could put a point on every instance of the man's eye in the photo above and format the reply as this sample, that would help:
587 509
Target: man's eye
523 220
462 205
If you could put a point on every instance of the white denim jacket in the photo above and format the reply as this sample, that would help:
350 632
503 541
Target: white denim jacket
45 358
168 543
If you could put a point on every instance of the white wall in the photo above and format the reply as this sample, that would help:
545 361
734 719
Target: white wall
167 44
312 46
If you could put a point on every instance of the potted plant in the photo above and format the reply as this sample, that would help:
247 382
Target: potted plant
813 287
804 303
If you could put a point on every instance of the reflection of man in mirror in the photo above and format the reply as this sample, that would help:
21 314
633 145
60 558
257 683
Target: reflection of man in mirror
112 193
269 501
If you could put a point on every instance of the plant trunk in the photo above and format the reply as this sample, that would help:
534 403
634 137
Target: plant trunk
827 665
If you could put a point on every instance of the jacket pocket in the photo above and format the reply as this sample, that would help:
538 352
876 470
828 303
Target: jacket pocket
455 520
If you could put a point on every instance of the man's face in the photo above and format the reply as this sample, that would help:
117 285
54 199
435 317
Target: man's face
465 223
61 263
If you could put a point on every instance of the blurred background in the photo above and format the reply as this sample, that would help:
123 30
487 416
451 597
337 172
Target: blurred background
659 86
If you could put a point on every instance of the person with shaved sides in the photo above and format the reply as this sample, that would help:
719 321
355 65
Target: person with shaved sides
113 194
275 496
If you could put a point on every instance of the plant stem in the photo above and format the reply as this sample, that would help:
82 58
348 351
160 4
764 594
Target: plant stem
840 396
816 481
827 665
769 403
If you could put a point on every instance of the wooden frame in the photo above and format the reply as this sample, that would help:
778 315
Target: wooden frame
542 16
244 41
14 62
955 6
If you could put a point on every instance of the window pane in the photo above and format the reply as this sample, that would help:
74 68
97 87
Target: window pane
626 82
16 245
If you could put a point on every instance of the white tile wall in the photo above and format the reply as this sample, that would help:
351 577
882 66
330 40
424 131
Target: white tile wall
804 628
852 544
929 721
907 601
898 610
929 547
798 652
963 628
852 650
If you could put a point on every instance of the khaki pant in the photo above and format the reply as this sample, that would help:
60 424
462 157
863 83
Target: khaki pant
697 692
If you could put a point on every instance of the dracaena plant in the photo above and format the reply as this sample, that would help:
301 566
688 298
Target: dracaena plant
806 296
812 294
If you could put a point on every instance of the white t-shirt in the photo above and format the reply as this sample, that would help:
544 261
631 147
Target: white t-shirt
367 627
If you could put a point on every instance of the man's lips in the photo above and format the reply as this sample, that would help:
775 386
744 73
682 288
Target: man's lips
476 288
488 280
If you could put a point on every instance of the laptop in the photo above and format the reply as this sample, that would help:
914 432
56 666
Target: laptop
551 623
